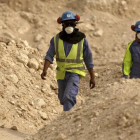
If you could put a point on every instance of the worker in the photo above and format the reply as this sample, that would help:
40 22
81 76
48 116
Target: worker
131 62
71 49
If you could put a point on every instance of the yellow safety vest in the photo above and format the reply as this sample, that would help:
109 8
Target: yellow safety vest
73 62
127 61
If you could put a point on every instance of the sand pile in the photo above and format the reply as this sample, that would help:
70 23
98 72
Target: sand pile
27 102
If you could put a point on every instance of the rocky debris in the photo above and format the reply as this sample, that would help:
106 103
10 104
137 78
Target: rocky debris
21 88
96 75
27 16
61 137
33 64
9 35
87 27
41 46
98 32
109 6
2 126
23 29
40 103
5 40
38 38
43 115
118 113
110 111
14 128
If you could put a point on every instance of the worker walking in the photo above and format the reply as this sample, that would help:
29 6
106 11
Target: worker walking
71 49
131 62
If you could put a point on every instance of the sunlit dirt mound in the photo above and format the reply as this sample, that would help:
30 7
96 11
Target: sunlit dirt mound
108 112
111 113
27 102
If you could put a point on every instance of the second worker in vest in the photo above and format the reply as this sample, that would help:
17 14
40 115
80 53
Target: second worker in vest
131 62
71 49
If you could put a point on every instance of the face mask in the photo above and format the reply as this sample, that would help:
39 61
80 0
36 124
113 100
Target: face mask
69 30
138 35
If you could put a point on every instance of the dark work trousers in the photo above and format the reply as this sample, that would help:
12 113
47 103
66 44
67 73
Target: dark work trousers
68 90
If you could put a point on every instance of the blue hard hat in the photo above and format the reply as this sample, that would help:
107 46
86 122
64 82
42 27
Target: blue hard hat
68 15
137 26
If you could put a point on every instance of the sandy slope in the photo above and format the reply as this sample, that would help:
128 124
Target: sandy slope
109 112
6 134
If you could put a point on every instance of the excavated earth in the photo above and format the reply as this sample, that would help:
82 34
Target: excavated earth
30 108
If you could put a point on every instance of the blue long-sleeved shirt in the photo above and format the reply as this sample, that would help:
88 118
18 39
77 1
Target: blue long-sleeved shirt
87 54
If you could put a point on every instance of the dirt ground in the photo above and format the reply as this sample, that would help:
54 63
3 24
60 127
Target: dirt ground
7 134
30 105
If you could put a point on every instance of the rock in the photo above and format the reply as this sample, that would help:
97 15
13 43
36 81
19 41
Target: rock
14 128
3 46
53 67
31 103
86 27
123 3
50 94
9 35
41 46
2 126
96 113
12 102
26 16
61 137
96 75
22 44
33 64
13 78
31 70
23 58
115 83
22 107
39 24
1 88
11 43
54 111
26 44
4 39
98 33
38 38
43 115
122 122
40 103
53 86
44 90
23 29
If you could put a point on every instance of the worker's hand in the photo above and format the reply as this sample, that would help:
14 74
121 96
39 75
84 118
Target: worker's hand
92 83
43 75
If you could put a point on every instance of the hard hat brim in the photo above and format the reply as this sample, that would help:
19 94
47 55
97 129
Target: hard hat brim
137 30
65 19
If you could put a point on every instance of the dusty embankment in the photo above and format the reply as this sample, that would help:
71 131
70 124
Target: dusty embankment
110 111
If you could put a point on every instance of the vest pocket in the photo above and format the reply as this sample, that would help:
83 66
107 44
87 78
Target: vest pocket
60 75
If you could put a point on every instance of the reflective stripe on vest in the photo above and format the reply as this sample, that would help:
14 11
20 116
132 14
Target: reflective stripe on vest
79 68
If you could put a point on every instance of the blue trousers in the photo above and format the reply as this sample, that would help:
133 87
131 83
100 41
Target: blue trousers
68 89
